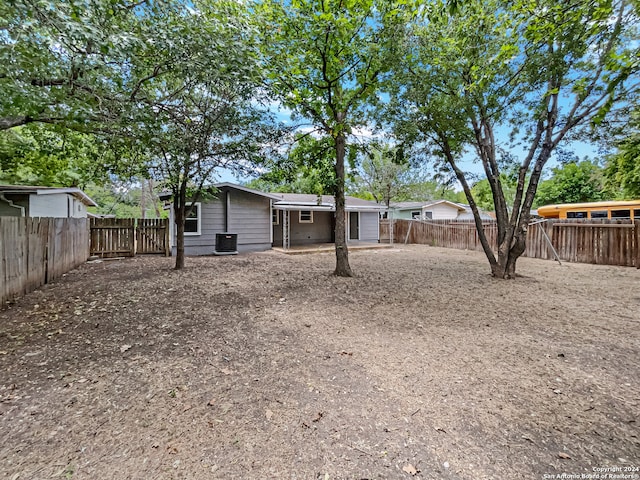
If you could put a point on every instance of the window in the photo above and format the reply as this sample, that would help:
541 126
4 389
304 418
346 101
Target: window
416 215
576 214
636 213
620 214
599 214
192 221
428 215
275 217
306 216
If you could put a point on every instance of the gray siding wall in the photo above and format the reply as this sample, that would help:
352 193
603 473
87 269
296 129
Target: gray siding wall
369 227
320 231
317 232
249 217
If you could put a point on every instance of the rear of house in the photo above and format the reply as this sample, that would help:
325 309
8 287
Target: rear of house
259 220
231 209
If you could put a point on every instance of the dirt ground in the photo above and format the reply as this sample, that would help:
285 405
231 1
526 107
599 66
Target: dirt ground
265 366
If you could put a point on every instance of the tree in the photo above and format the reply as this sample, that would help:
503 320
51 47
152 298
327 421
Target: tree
197 104
325 60
307 168
622 169
63 62
571 183
49 156
545 70
386 174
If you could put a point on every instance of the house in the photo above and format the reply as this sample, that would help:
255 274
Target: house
430 210
262 220
29 201
434 210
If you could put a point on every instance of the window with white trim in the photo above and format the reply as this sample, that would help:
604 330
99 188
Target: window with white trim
306 216
275 217
416 215
193 220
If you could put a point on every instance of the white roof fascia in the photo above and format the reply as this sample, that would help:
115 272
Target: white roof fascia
248 190
76 192
316 208
365 208
304 204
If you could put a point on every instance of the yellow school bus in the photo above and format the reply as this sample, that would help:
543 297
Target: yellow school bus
613 209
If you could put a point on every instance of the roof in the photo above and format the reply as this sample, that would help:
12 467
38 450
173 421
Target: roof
296 201
227 185
36 190
223 185
425 204
299 201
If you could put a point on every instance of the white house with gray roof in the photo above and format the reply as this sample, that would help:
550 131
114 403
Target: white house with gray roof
434 210
30 201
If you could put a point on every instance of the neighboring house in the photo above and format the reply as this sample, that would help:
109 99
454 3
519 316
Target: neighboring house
431 210
262 220
28 201
434 210
300 219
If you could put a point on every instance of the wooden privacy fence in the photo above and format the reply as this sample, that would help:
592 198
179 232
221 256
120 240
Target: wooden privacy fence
605 242
125 237
36 251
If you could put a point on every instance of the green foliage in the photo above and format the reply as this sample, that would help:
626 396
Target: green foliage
42 155
622 169
385 174
124 200
65 61
308 168
325 59
572 183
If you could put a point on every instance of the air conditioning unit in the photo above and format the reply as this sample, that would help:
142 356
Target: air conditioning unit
226 244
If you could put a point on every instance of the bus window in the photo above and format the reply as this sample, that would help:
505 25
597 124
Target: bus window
619 213
636 213
599 214
576 214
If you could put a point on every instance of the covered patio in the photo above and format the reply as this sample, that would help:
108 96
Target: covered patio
330 247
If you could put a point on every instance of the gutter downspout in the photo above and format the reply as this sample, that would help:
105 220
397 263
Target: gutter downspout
11 204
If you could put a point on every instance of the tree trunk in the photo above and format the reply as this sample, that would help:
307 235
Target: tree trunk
508 254
342 254
179 204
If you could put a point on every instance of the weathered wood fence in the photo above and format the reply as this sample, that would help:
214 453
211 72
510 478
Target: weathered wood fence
35 251
605 242
126 237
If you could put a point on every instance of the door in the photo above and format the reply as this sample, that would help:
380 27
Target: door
354 225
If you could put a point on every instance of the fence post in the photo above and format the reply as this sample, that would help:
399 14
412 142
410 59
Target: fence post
637 242
167 247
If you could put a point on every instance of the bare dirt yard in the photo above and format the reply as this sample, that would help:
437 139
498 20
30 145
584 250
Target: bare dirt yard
265 366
